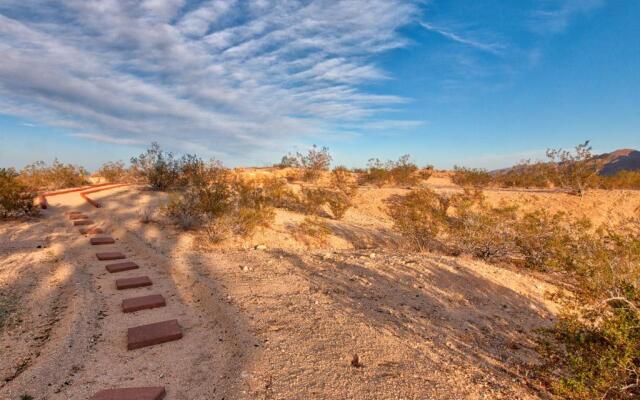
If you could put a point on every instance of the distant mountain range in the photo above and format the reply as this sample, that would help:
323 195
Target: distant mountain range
619 160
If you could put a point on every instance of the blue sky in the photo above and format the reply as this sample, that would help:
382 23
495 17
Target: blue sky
472 83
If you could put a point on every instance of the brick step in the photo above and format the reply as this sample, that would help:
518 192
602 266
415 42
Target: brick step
152 334
110 255
120 267
74 217
82 222
141 393
132 283
90 231
143 303
96 241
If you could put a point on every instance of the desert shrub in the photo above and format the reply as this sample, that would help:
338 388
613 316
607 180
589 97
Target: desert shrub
184 210
525 175
597 350
484 231
315 199
41 176
621 180
146 214
313 163
400 172
470 177
343 180
575 171
114 172
157 168
419 216
15 198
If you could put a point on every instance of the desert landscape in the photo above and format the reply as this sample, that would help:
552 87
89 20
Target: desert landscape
319 200
305 304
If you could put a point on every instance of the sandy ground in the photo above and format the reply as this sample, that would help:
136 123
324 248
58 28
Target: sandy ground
280 323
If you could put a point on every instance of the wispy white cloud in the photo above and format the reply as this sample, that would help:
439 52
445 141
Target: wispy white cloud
97 137
493 48
233 77
555 15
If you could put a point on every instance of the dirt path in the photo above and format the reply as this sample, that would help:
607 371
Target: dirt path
268 324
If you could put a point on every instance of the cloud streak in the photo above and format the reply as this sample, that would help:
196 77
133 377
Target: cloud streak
493 48
231 77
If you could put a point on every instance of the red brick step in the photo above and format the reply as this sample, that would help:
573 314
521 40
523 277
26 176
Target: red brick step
110 255
77 216
90 231
152 334
96 241
123 266
143 303
141 393
82 222
131 283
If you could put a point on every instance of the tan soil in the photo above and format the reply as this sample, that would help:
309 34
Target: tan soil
280 323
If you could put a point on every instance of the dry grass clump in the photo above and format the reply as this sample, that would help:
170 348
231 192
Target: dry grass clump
401 172
16 199
594 350
41 176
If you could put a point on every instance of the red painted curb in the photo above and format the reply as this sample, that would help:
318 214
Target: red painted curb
93 202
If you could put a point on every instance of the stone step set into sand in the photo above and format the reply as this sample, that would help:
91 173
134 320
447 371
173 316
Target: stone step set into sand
141 393
152 334
139 336
97 241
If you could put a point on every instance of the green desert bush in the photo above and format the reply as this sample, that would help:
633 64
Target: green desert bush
41 176
157 168
16 199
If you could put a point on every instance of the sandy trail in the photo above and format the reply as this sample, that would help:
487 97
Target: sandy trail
275 324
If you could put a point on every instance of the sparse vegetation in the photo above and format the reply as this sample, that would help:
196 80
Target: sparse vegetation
157 168
41 176
471 177
596 338
16 199
114 172
573 171
313 163
401 172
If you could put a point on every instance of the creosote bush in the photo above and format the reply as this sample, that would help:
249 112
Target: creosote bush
313 228
471 177
157 168
401 172
313 163
41 176
16 199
